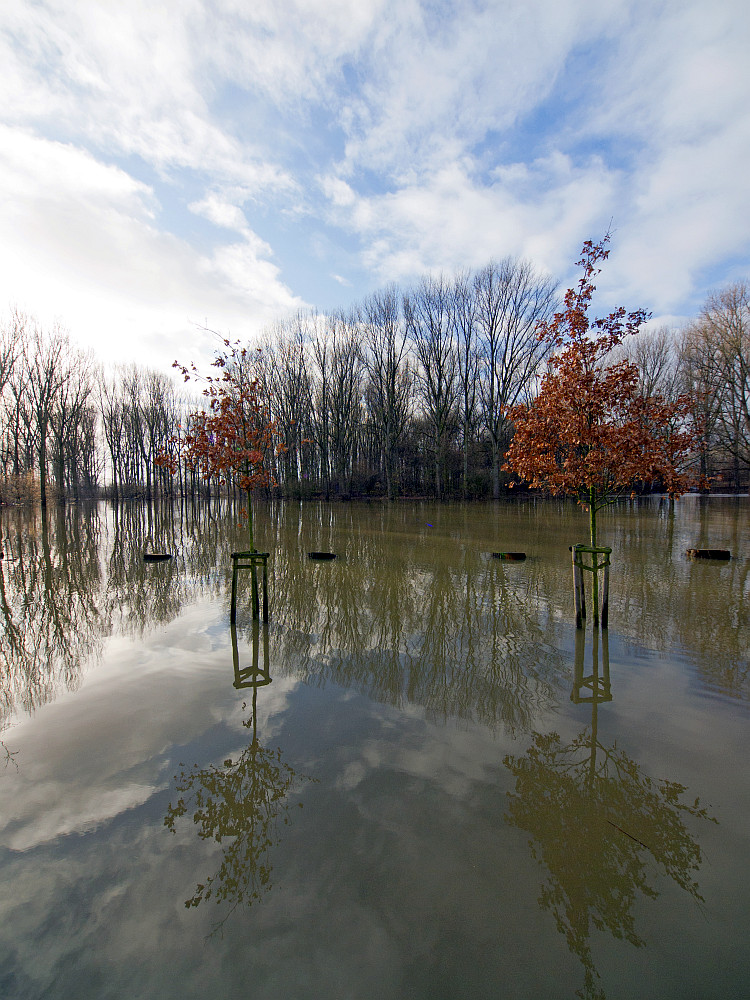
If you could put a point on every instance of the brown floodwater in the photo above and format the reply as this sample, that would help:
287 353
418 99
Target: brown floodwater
418 780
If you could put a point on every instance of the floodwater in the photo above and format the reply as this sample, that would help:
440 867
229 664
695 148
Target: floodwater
418 781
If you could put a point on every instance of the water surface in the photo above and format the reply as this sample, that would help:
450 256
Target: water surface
418 780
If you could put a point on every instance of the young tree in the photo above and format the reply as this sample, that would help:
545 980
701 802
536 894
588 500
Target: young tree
234 436
589 432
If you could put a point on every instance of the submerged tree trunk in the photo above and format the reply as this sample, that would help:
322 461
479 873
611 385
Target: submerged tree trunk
594 557
250 520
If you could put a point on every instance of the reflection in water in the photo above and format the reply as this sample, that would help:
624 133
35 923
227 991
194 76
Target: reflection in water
440 626
8 755
407 613
596 686
418 614
73 575
664 601
50 617
597 821
239 804
255 675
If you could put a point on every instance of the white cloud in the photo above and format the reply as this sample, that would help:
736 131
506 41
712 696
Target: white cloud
656 138
221 212
452 219
437 135
437 85
102 731
126 78
79 812
86 248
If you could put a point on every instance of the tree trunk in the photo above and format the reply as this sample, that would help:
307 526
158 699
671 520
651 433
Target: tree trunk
495 472
594 557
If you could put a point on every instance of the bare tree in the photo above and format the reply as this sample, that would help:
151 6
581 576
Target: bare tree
12 336
465 322
429 322
140 413
512 299
656 354
71 422
389 376
698 380
45 370
320 400
112 410
721 338
285 370
346 396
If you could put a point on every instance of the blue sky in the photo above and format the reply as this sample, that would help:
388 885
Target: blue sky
223 162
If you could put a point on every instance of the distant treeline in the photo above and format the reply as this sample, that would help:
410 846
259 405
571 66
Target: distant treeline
403 394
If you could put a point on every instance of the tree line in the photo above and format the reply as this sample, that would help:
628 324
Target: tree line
405 393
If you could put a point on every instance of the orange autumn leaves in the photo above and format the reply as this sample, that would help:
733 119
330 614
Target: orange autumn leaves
589 433
234 435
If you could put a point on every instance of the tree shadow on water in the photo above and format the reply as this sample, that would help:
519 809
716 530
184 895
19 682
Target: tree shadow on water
241 803
602 828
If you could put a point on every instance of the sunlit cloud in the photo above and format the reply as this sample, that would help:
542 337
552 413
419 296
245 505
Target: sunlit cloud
161 163
86 249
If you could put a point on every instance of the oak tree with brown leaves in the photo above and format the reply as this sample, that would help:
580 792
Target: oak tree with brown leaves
589 432
235 435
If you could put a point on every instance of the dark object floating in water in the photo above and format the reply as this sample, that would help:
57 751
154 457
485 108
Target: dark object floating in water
709 553
321 555
509 556
156 556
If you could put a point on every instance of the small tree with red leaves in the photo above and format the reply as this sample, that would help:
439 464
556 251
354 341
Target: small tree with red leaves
234 436
589 433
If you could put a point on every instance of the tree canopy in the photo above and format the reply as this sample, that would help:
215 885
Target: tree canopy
590 432
234 435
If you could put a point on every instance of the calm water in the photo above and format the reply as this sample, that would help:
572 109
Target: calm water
417 782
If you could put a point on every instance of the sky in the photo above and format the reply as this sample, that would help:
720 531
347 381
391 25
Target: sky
169 168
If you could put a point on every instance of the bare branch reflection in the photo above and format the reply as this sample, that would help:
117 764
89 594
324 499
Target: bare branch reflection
50 617
446 628
73 575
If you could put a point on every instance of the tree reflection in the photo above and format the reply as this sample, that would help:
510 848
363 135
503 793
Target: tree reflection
72 575
401 620
660 597
597 823
240 803
50 616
